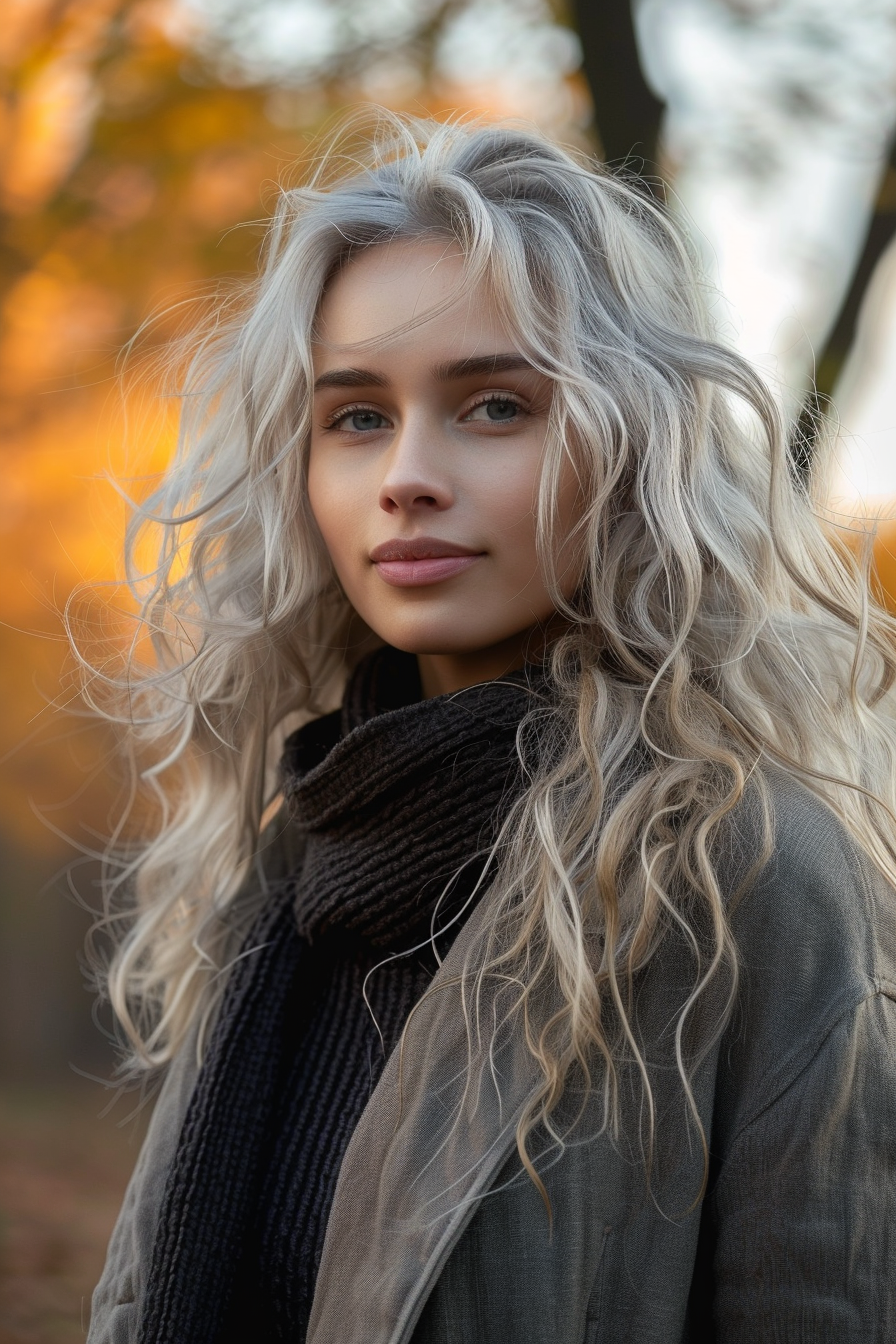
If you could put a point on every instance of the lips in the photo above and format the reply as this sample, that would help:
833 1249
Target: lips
418 561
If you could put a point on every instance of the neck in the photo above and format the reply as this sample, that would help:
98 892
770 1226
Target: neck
444 673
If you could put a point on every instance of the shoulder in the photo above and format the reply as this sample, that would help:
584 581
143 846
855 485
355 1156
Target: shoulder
814 929
817 901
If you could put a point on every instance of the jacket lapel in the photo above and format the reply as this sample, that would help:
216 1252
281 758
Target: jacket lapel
427 1147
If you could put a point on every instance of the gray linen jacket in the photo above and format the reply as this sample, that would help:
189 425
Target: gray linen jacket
437 1236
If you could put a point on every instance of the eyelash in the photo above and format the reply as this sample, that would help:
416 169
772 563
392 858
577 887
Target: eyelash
498 396
334 421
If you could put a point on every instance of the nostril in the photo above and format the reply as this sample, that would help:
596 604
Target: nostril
394 504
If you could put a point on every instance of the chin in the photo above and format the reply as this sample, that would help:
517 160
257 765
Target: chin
435 638
434 645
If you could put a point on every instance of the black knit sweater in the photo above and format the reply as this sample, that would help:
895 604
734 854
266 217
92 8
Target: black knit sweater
397 797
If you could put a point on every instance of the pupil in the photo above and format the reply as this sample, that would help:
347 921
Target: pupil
364 419
501 410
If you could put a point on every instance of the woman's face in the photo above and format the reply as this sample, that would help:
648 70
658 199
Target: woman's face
426 449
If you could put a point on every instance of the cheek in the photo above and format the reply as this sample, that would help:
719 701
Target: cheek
511 504
515 509
326 497
571 509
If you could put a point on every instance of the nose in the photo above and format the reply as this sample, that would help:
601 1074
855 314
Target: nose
416 477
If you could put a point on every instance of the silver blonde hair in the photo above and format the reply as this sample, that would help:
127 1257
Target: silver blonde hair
718 629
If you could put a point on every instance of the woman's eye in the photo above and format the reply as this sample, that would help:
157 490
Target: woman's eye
497 410
361 420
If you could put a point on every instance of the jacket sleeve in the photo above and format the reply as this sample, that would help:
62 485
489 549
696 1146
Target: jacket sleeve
114 1312
801 1235
118 1297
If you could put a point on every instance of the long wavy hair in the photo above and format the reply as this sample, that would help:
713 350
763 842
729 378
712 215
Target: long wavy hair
719 627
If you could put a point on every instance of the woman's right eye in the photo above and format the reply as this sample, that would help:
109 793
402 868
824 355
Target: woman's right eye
358 420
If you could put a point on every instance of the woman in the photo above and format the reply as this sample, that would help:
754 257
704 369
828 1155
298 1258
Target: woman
553 995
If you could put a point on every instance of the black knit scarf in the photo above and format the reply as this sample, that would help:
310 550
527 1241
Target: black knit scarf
394 798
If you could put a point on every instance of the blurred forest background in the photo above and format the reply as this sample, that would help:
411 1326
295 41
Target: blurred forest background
136 138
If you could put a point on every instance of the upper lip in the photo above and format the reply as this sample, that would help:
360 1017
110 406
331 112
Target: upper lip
418 548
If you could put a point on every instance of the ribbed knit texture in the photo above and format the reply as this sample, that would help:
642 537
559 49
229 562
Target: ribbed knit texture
393 801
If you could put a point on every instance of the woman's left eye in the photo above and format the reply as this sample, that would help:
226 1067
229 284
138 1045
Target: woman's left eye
495 411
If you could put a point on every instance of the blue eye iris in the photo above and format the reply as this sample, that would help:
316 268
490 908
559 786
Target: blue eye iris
364 420
501 410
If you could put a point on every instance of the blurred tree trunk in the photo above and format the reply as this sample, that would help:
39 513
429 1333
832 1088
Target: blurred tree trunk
626 111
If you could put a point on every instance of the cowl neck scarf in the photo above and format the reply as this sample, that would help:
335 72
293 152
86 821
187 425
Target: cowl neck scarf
395 797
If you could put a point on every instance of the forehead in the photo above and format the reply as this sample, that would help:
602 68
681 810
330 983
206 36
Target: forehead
405 293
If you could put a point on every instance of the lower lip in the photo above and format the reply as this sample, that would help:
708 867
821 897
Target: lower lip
418 573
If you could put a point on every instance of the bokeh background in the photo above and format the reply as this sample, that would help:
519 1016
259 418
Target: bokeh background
142 143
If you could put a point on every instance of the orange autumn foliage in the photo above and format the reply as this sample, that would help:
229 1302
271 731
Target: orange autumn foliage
119 170
885 563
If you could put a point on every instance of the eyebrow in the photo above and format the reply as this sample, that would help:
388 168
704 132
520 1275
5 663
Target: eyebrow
350 378
449 372
471 368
